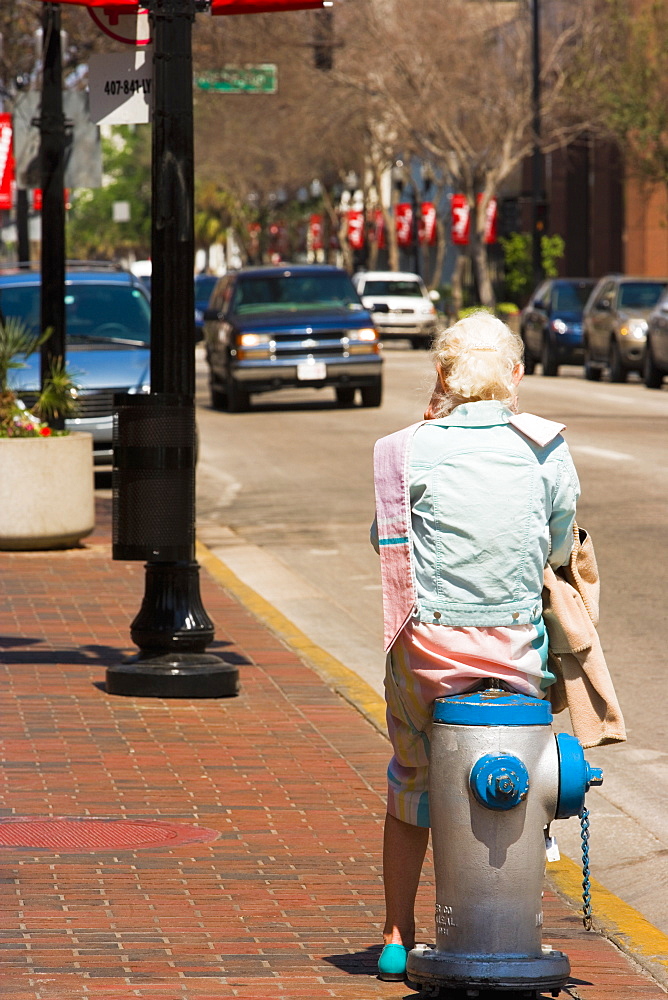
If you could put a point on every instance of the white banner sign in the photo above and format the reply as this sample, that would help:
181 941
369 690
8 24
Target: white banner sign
121 87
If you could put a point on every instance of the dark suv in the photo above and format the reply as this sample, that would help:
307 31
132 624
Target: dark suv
291 326
108 330
551 324
615 324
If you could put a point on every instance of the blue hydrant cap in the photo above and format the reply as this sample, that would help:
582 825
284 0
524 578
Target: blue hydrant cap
499 781
492 708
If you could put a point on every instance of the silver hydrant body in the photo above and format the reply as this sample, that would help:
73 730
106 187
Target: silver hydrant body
498 777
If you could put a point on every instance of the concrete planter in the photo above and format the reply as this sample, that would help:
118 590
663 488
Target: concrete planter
46 491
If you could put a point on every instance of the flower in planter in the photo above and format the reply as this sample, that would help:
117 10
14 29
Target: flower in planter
57 398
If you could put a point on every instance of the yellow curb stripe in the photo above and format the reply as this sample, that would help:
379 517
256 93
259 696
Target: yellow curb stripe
613 918
343 680
618 921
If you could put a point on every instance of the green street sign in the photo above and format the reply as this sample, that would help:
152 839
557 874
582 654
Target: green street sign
241 80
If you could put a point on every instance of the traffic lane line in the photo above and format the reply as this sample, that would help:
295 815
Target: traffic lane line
604 453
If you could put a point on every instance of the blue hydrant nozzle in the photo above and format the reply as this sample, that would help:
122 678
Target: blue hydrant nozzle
576 776
594 775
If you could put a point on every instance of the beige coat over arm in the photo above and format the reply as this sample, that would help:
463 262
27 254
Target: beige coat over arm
584 685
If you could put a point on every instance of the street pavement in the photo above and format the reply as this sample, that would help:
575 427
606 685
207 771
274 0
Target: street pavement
212 848
285 499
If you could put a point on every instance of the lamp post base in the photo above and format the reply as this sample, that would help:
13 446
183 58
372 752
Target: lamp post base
174 675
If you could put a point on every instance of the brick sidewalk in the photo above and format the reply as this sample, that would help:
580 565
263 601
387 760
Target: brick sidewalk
288 777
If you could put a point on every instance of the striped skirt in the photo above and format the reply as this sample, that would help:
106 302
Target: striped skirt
432 661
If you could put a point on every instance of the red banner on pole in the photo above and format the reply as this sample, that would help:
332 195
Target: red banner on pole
404 217
316 232
490 220
355 230
427 227
37 199
379 229
6 162
460 220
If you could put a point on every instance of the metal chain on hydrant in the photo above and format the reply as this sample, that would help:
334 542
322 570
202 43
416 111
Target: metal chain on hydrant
586 887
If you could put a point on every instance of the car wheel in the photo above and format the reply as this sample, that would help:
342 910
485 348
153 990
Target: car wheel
345 396
420 343
372 395
651 374
218 397
529 363
549 359
591 371
238 400
618 372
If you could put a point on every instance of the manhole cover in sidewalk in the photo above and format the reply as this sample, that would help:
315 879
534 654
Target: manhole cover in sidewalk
63 833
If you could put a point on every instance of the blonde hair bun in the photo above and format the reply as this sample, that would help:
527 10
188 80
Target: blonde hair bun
477 358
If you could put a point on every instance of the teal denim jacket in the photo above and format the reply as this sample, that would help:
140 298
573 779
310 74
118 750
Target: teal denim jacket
490 508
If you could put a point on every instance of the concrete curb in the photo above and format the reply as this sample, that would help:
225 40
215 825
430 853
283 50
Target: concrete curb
613 918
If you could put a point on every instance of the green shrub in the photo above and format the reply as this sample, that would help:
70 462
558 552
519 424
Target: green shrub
504 309
463 313
517 252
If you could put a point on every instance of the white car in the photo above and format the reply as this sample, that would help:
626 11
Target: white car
401 305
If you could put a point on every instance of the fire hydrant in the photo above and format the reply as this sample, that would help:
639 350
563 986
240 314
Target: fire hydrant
498 777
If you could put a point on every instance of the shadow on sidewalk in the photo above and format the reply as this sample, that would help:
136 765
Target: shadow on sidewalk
93 654
364 963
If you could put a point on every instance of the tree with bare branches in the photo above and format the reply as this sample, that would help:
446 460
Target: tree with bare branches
455 78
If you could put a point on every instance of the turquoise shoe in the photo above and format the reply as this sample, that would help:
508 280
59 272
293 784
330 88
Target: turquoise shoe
392 963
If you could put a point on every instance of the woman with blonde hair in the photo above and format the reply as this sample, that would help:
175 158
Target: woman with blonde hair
472 503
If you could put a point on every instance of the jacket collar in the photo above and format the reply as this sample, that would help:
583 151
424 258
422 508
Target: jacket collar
490 412
483 413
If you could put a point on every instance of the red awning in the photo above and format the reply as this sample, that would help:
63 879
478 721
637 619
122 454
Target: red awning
117 6
217 6
262 6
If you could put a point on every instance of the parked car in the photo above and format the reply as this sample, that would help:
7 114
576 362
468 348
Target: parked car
655 366
551 324
400 305
615 324
143 269
204 285
108 332
290 326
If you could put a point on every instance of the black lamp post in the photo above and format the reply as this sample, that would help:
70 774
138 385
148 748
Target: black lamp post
52 127
537 199
155 436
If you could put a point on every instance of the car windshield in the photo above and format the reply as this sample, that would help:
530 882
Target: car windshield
390 287
93 312
294 293
640 294
204 285
571 297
